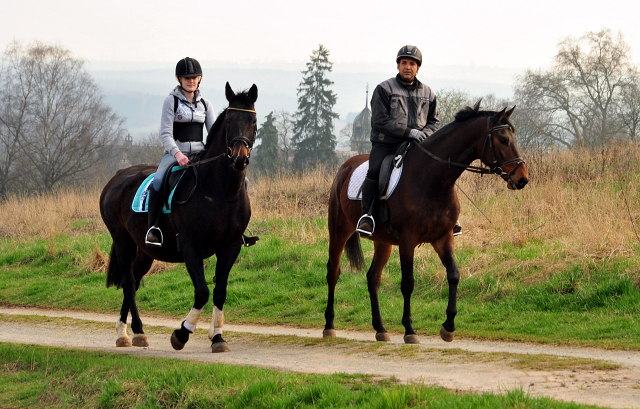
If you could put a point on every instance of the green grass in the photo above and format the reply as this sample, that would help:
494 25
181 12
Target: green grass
528 292
40 377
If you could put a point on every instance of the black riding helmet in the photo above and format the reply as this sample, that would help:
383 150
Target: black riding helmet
188 68
410 51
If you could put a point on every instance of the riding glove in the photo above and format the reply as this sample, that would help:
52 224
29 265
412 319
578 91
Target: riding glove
417 135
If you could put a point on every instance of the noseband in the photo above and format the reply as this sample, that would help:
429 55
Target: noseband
241 138
496 169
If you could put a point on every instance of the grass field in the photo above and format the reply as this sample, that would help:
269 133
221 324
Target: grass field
554 263
42 377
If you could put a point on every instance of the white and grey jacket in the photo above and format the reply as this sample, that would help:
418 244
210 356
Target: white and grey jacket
185 115
397 108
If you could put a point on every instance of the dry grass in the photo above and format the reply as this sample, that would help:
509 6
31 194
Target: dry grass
579 204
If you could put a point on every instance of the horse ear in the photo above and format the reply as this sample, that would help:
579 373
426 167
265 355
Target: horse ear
253 93
476 107
500 116
510 112
228 92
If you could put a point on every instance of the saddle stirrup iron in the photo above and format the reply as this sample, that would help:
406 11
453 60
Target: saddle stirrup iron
363 219
151 232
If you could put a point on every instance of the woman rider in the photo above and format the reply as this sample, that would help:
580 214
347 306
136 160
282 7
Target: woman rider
184 114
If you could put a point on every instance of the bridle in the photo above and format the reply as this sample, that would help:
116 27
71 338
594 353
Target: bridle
496 169
241 138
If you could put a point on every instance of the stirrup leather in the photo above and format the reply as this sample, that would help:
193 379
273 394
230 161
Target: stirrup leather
149 243
373 225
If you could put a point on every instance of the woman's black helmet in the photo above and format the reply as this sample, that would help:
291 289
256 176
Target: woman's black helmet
410 51
188 68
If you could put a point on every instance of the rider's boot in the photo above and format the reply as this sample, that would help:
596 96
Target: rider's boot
249 240
154 235
366 224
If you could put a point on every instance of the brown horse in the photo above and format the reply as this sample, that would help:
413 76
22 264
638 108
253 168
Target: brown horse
211 220
423 208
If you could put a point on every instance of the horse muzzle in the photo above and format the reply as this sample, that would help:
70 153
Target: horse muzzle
517 178
239 153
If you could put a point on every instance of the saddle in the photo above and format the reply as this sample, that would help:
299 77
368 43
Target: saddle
172 178
388 164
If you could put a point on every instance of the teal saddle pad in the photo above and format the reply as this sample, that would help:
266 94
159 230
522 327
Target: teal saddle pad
140 204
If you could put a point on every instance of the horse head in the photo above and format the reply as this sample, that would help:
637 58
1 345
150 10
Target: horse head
500 152
241 125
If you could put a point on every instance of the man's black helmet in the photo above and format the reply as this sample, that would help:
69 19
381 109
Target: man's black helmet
410 51
188 68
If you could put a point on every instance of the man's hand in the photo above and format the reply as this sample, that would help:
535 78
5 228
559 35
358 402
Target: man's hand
417 135
182 159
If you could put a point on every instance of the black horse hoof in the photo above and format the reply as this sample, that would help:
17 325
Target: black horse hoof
446 335
383 336
175 342
219 345
329 333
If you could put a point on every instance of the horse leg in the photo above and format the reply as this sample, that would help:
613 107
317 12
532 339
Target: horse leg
141 266
193 262
444 248
124 253
223 267
337 241
380 257
406 287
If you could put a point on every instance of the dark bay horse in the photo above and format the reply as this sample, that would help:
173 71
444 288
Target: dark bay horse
212 221
423 208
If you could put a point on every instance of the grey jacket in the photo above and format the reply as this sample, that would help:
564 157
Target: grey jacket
397 108
184 112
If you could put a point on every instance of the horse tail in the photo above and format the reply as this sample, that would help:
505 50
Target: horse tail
114 275
354 252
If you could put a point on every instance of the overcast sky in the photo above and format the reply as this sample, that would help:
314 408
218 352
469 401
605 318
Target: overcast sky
359 34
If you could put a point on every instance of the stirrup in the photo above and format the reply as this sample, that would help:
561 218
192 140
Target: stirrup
373 225
150 243
457 229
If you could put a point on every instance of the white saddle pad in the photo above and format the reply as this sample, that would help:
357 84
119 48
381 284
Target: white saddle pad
354 191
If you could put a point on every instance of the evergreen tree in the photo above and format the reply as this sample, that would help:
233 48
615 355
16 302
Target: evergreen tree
313 131
267 151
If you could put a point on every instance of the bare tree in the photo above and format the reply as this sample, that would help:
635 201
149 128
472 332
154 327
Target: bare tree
450 101
57 119
579 96
284 124
629 110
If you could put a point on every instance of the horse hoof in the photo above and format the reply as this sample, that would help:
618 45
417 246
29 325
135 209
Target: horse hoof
175 342
123 342
446 335
329 333
411 339
139 340
220 347
383 336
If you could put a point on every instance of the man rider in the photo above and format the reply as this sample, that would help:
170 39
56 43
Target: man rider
401 108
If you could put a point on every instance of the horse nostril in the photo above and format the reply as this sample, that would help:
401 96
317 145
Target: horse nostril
522 183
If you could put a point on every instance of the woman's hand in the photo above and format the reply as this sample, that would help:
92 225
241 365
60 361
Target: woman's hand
182 159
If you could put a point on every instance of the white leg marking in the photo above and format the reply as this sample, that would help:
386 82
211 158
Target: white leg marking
217 321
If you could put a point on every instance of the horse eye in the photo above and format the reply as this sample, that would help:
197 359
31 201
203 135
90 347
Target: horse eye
503 140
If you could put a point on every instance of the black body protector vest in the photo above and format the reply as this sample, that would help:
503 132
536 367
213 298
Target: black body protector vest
187 131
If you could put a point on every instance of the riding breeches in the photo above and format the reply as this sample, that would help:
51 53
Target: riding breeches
377 155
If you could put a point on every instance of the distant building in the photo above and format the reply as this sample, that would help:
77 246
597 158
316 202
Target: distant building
360 142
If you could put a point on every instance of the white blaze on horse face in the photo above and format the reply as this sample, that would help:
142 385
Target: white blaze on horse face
121 327
191 321
217 321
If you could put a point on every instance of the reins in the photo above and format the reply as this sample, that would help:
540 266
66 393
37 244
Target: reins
496 169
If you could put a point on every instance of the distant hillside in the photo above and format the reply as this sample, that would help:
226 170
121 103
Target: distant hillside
136 91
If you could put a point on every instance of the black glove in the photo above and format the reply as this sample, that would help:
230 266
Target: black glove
417 135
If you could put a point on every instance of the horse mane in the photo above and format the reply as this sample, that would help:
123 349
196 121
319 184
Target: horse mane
472 112
244 99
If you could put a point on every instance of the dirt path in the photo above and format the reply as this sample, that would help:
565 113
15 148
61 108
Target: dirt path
616 389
